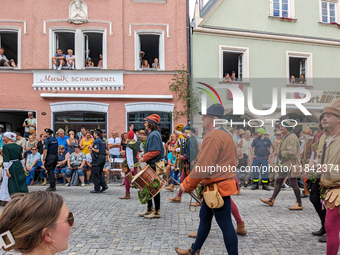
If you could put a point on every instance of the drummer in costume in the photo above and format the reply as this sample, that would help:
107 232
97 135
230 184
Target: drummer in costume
152 153
330 178
14 178
50 157
98 162
189 154
289 153
181 139
218 148
131 157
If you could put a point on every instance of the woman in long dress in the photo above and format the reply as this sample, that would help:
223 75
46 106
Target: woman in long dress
14 178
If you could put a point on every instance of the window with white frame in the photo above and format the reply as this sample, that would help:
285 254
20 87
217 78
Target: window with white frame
233 65
281 8
149 50
87 47
9 44
328 12
299 68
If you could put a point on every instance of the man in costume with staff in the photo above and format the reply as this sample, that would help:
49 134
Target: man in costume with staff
189 154
218 149
180 143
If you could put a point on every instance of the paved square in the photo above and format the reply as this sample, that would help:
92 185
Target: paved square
107 225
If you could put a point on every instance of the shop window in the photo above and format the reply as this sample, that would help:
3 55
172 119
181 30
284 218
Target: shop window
9 42
150 46
233 63
93 48
137 119
76 120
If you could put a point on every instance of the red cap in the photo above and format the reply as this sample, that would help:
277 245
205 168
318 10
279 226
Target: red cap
130 135
153 118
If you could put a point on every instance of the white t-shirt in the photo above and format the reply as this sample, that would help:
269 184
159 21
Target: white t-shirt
115 150
31 122
68 56
88 158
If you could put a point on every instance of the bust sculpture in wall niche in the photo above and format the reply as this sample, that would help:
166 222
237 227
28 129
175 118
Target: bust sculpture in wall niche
78 12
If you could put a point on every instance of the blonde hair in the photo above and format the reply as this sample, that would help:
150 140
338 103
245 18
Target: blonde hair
27 215
69 50
172 135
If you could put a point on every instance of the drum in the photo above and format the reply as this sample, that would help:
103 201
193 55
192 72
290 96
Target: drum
143 179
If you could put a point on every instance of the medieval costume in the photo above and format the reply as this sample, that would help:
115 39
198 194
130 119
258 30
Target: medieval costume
131 158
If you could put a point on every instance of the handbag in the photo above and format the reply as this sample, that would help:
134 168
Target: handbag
160 167
125 169
213 198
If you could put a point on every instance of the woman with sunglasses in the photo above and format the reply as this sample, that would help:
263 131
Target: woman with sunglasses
44 228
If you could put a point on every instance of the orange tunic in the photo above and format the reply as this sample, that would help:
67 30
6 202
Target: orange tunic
216 163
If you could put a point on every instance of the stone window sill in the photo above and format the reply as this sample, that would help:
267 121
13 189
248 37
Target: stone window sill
329 24
283 19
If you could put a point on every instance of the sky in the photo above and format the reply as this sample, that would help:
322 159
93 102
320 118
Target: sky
192 6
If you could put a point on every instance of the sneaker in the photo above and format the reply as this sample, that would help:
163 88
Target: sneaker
44 183
83 184
67 184
54 67
32 183
87 182
72 67
59 68
69 67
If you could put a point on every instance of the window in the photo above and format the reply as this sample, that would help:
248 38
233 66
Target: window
233 62
234 59
93 46
85 45
299 63
9 42
281 8
137 119
328 12
76 120
149 46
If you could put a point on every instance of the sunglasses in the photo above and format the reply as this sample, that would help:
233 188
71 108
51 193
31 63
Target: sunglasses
70 219
33 149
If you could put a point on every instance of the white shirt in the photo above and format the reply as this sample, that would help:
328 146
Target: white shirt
31 122
4 58
88 158
115 150
129 157
68 56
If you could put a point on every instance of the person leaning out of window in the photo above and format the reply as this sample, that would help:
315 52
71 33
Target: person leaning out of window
75 162
70 59
4 61
145 64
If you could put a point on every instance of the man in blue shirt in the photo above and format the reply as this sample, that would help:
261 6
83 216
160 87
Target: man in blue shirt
260 150
58 59
62 139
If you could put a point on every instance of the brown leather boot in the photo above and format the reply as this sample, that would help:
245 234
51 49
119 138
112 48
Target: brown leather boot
241 229
171 187
153 214
176 199
186 252
127 196
193 235
146 212
296 207
268 201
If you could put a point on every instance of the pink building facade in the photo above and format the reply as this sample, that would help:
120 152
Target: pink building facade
109 96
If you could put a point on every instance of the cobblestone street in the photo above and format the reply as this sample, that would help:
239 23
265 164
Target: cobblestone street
107 225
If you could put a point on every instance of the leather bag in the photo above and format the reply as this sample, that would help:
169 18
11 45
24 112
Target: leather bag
213 198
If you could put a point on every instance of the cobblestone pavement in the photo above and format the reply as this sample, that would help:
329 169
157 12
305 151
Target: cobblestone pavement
107 225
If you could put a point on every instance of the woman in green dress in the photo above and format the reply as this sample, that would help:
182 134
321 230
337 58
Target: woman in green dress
13 165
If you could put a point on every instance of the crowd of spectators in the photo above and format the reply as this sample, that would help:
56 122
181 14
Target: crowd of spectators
145 64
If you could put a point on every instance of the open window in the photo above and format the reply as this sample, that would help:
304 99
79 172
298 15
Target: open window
9 42
64 41
233 62
93 46
148 47
298 70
